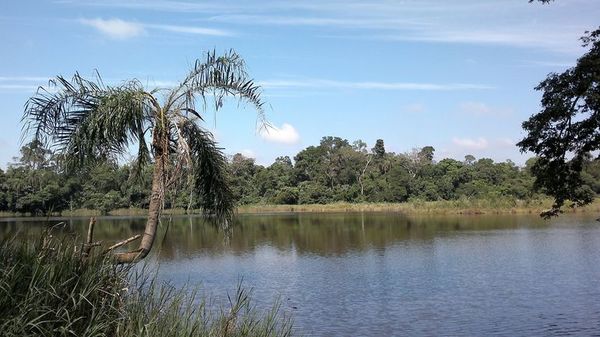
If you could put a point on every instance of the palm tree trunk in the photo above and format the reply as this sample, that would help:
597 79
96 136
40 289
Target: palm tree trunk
154 208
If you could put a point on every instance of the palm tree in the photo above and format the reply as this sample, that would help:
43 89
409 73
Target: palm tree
83 120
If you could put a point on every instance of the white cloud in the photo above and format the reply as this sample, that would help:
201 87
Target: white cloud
469 21
499 22
190 30
471 144
475 108
23 79
347 22
248 153
286 134
522 37
17 87
482 109
506 142
115 28
551 64
21 83
155 5
497 148
367 85
415 108
121 29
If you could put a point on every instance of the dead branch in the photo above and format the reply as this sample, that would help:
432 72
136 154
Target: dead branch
122 243
89 244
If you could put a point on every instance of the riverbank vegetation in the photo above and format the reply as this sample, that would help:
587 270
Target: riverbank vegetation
326 174
334 175
48 289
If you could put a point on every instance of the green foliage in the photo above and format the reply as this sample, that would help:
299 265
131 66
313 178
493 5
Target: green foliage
88 123
565 133
379 149
333 171
286 196
47 289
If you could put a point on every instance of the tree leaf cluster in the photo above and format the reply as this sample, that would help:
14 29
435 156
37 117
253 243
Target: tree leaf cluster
332 171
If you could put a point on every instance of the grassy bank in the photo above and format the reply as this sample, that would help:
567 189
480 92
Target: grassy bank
502 206
48 289
461 206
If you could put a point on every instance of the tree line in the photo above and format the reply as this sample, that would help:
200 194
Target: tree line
333 171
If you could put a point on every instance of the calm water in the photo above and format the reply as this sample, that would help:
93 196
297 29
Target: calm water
386 274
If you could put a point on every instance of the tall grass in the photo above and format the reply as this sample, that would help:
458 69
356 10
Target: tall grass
48 289
419 207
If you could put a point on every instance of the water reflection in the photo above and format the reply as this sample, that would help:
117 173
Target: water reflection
320 234
386 274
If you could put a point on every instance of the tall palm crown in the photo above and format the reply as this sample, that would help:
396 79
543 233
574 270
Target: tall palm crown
85 119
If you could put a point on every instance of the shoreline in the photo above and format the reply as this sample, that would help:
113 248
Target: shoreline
422 208
452 207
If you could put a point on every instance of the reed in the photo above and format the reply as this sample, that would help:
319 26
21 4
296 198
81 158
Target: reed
48 288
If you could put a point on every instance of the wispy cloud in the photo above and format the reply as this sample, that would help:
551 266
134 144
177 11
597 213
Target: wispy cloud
527 37
286 134
23 79
481 109
414 108
497 148
467 22
367 85
191 30
501 147
555 27
470 143
115 28
156 5
340 22
121 29
550 64
248 153
21 83
17 87
505 141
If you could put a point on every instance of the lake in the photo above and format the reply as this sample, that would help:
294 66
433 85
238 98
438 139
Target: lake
381 274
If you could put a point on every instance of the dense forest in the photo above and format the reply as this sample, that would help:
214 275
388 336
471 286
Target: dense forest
335 170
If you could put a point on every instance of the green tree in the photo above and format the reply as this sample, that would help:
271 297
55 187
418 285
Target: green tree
3 194
242 178
379 149
86 119
426 154
398 184
34 155
469 159
309 166
567 129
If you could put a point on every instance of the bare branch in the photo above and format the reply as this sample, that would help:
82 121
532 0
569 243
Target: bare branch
122 243
87 247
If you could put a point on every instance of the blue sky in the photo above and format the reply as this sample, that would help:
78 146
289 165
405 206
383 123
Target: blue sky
457 75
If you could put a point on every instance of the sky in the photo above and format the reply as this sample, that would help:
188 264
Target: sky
456 75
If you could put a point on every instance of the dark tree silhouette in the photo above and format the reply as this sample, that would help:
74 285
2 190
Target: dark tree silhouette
566 132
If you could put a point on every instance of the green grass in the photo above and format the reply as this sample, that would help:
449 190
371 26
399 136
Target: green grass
48 289
417 207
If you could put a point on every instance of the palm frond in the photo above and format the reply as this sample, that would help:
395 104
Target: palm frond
218 77
85 119
209 172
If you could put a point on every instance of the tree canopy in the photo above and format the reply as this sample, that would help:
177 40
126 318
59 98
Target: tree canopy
318 174
565 134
